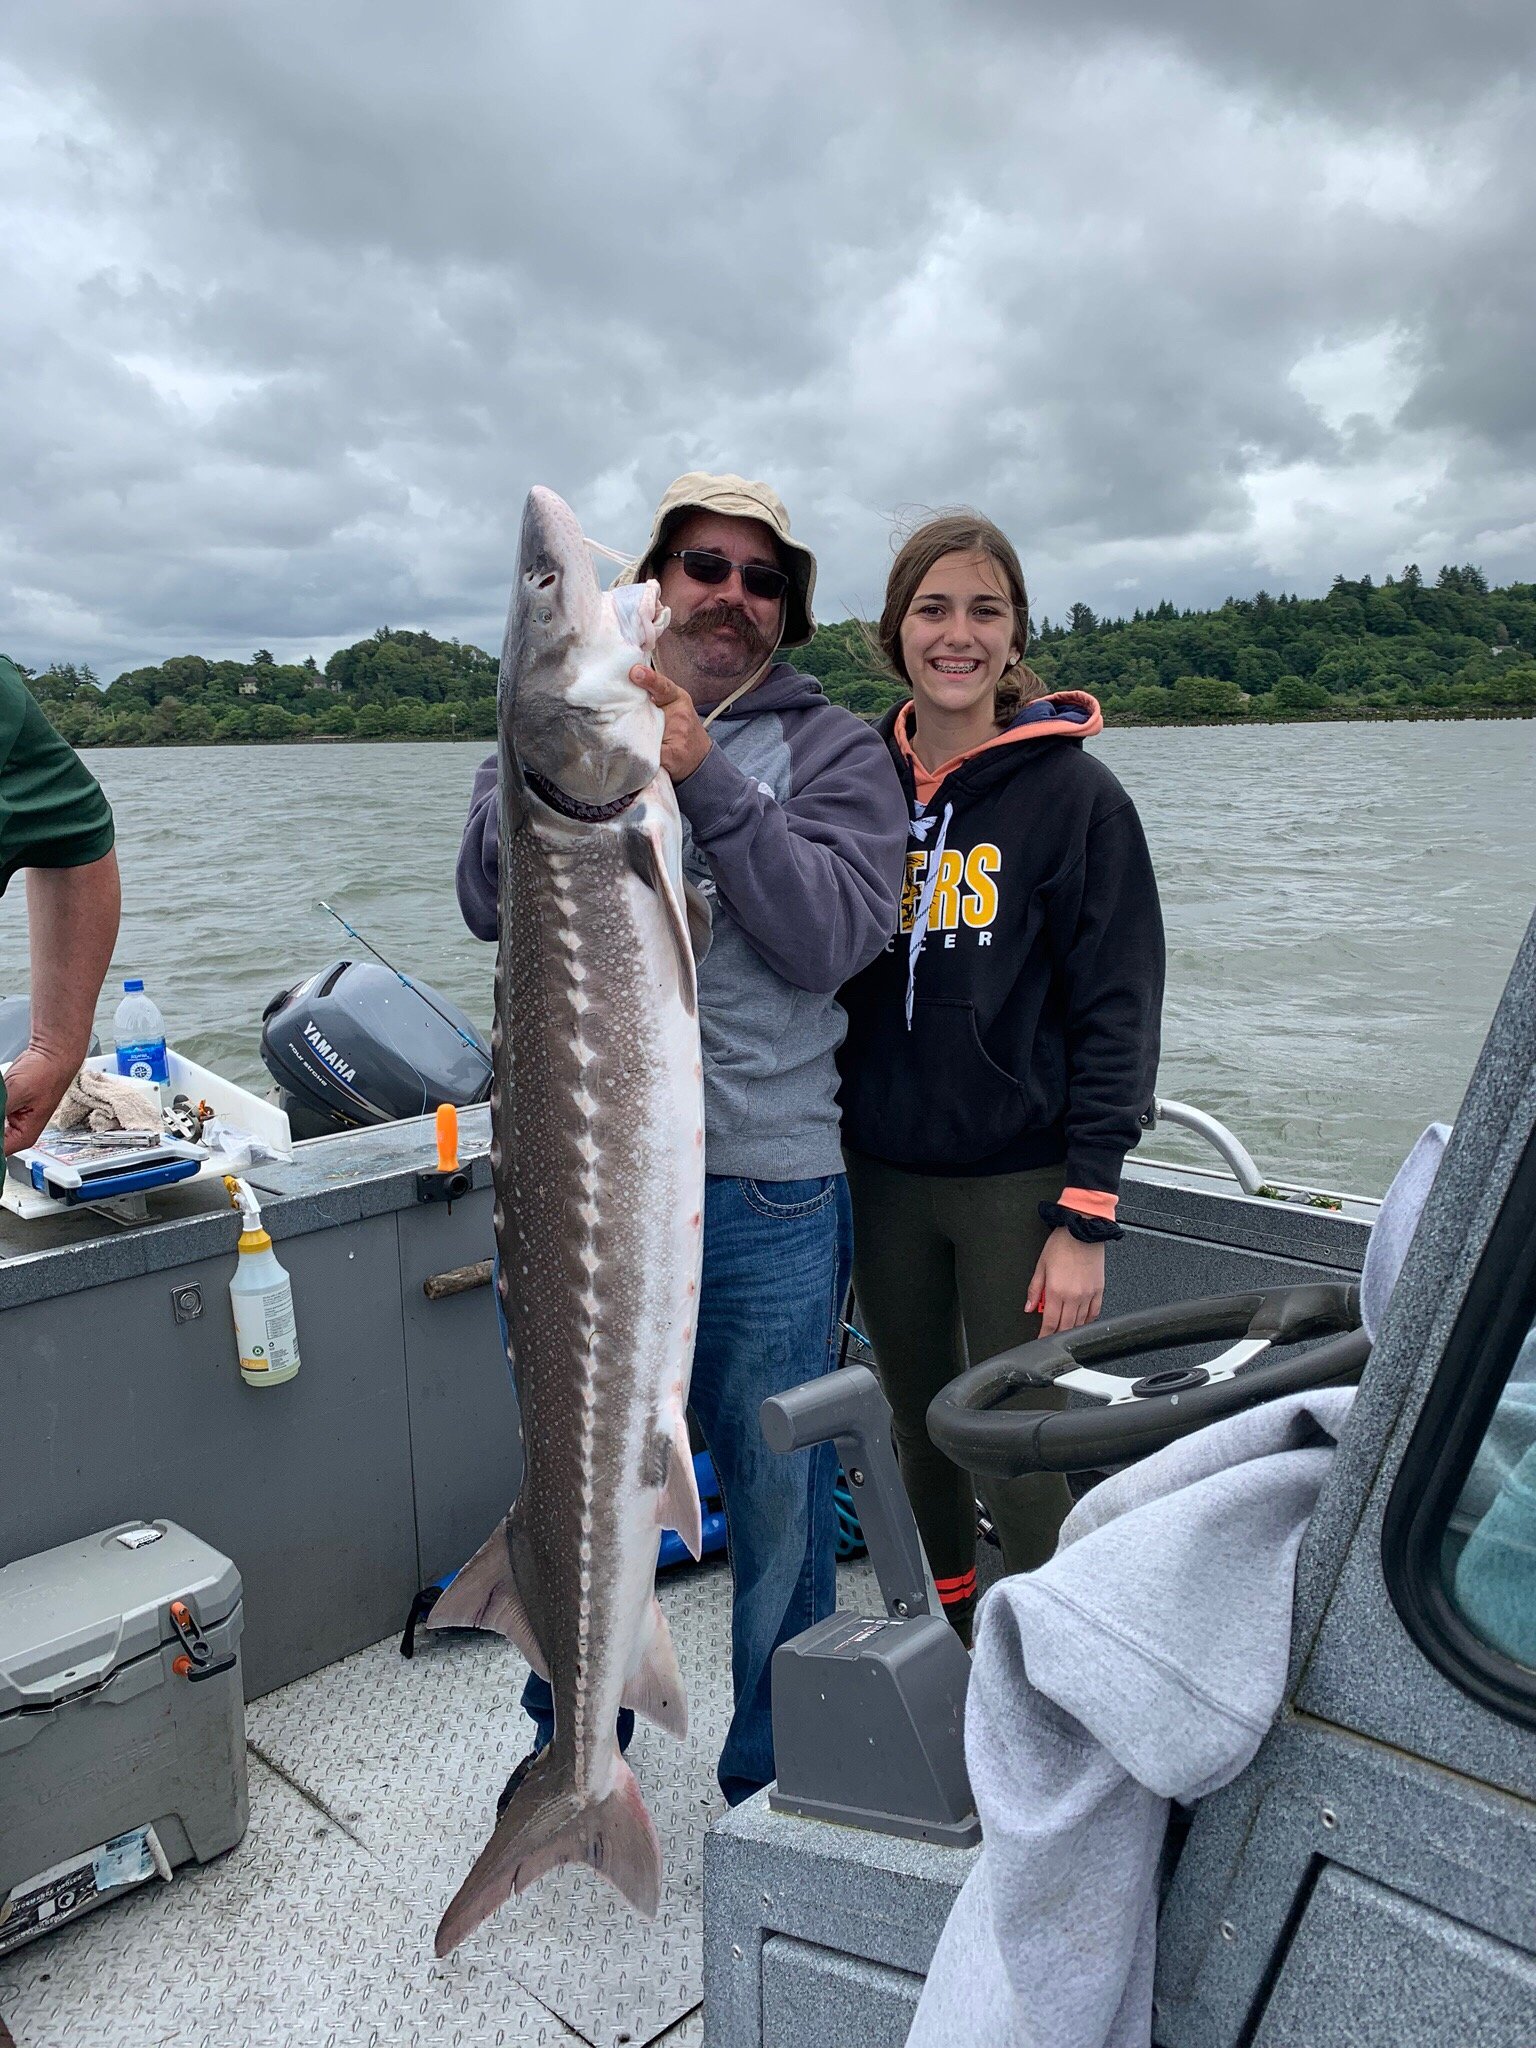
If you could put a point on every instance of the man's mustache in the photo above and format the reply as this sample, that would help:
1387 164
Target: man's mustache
710 617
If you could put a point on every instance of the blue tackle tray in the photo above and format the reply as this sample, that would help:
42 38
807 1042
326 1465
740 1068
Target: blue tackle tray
105 1187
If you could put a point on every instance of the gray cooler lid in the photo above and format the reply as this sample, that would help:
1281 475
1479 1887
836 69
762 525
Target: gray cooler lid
72 1616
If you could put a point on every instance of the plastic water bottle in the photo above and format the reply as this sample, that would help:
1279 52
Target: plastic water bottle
138 1033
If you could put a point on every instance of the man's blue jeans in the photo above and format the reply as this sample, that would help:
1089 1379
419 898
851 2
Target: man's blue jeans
776 1264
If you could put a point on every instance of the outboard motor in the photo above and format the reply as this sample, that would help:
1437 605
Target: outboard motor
356 1045
16 1029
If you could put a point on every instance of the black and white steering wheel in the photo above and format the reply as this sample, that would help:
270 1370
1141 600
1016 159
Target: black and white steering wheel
1114 1417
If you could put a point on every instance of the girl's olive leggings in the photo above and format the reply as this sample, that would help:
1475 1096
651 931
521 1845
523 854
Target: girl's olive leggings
941 1269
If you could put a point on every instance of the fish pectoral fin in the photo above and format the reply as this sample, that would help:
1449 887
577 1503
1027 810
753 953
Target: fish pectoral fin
547 1823
656 1688
643 851
485 1594
701 923
680 1509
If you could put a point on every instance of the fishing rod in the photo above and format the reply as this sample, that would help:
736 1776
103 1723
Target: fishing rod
404 980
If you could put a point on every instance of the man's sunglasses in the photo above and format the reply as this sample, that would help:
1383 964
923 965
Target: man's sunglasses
757 579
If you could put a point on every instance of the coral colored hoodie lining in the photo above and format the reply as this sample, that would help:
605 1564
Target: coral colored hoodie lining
928 781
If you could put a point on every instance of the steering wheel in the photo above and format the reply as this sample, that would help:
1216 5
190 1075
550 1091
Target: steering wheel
1114 1417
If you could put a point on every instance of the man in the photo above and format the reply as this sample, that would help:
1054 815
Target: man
795 830
55 823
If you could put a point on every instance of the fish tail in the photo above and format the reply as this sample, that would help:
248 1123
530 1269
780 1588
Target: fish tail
547 1823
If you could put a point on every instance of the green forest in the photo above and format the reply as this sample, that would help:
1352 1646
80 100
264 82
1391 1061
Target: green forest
1404 648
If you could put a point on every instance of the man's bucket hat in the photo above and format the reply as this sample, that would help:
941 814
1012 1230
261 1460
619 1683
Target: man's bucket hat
738 498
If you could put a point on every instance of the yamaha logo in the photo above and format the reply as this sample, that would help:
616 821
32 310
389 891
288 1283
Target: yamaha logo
328 1053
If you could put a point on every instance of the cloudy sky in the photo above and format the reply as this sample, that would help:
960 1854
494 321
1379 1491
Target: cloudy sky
300 296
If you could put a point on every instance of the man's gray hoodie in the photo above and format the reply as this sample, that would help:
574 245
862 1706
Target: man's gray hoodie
795 830
1144 1663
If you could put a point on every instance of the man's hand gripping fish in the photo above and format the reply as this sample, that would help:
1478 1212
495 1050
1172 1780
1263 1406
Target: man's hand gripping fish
597 1152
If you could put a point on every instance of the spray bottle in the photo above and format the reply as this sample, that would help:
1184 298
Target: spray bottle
262 1297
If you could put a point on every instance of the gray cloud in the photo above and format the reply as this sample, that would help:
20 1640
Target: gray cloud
301 300
1370 60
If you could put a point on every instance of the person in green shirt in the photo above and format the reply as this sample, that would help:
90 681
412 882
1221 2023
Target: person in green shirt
56 823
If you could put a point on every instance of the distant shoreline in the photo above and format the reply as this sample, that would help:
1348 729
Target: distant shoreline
1113 722
1362 655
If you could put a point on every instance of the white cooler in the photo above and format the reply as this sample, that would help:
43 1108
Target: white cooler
122 1721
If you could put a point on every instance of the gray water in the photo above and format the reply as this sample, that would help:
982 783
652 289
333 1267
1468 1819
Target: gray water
1342 904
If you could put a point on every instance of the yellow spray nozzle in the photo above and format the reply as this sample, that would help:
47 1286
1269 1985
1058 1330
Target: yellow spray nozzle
243 1198
447 1138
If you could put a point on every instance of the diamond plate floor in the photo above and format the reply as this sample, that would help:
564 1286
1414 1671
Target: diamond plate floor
373 1789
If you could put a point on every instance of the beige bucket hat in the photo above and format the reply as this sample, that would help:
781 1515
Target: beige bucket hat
738 498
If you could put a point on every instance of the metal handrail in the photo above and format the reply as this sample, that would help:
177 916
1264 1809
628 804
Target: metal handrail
1215 1133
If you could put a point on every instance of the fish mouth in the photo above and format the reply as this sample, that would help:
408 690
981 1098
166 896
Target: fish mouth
572 807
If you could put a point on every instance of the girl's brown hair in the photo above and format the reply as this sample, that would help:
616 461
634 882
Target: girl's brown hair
960 533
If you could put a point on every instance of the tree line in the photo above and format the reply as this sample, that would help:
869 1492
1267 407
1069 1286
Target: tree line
393 685
1401 649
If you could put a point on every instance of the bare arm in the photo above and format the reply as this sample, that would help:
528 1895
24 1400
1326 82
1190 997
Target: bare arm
72 916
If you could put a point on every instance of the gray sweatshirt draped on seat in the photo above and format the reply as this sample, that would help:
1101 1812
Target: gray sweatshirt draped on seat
1143 1664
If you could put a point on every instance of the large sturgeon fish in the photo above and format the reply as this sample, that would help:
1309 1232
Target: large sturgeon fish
597 1154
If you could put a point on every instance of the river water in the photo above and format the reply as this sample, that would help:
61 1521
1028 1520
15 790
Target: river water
1342 905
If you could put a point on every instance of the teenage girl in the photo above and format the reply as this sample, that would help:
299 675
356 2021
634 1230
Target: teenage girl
1002 1049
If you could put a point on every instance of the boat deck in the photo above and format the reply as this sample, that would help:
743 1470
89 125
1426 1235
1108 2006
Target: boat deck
373 1786
373 1780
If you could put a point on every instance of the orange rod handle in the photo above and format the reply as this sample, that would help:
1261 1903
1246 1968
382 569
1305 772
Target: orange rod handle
447 1138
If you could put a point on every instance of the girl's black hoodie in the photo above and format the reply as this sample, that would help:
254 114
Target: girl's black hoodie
1023 1028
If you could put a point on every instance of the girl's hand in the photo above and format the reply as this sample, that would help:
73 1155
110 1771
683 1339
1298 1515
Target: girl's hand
1067 1287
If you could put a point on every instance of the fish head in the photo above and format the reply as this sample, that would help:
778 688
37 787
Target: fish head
569 712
